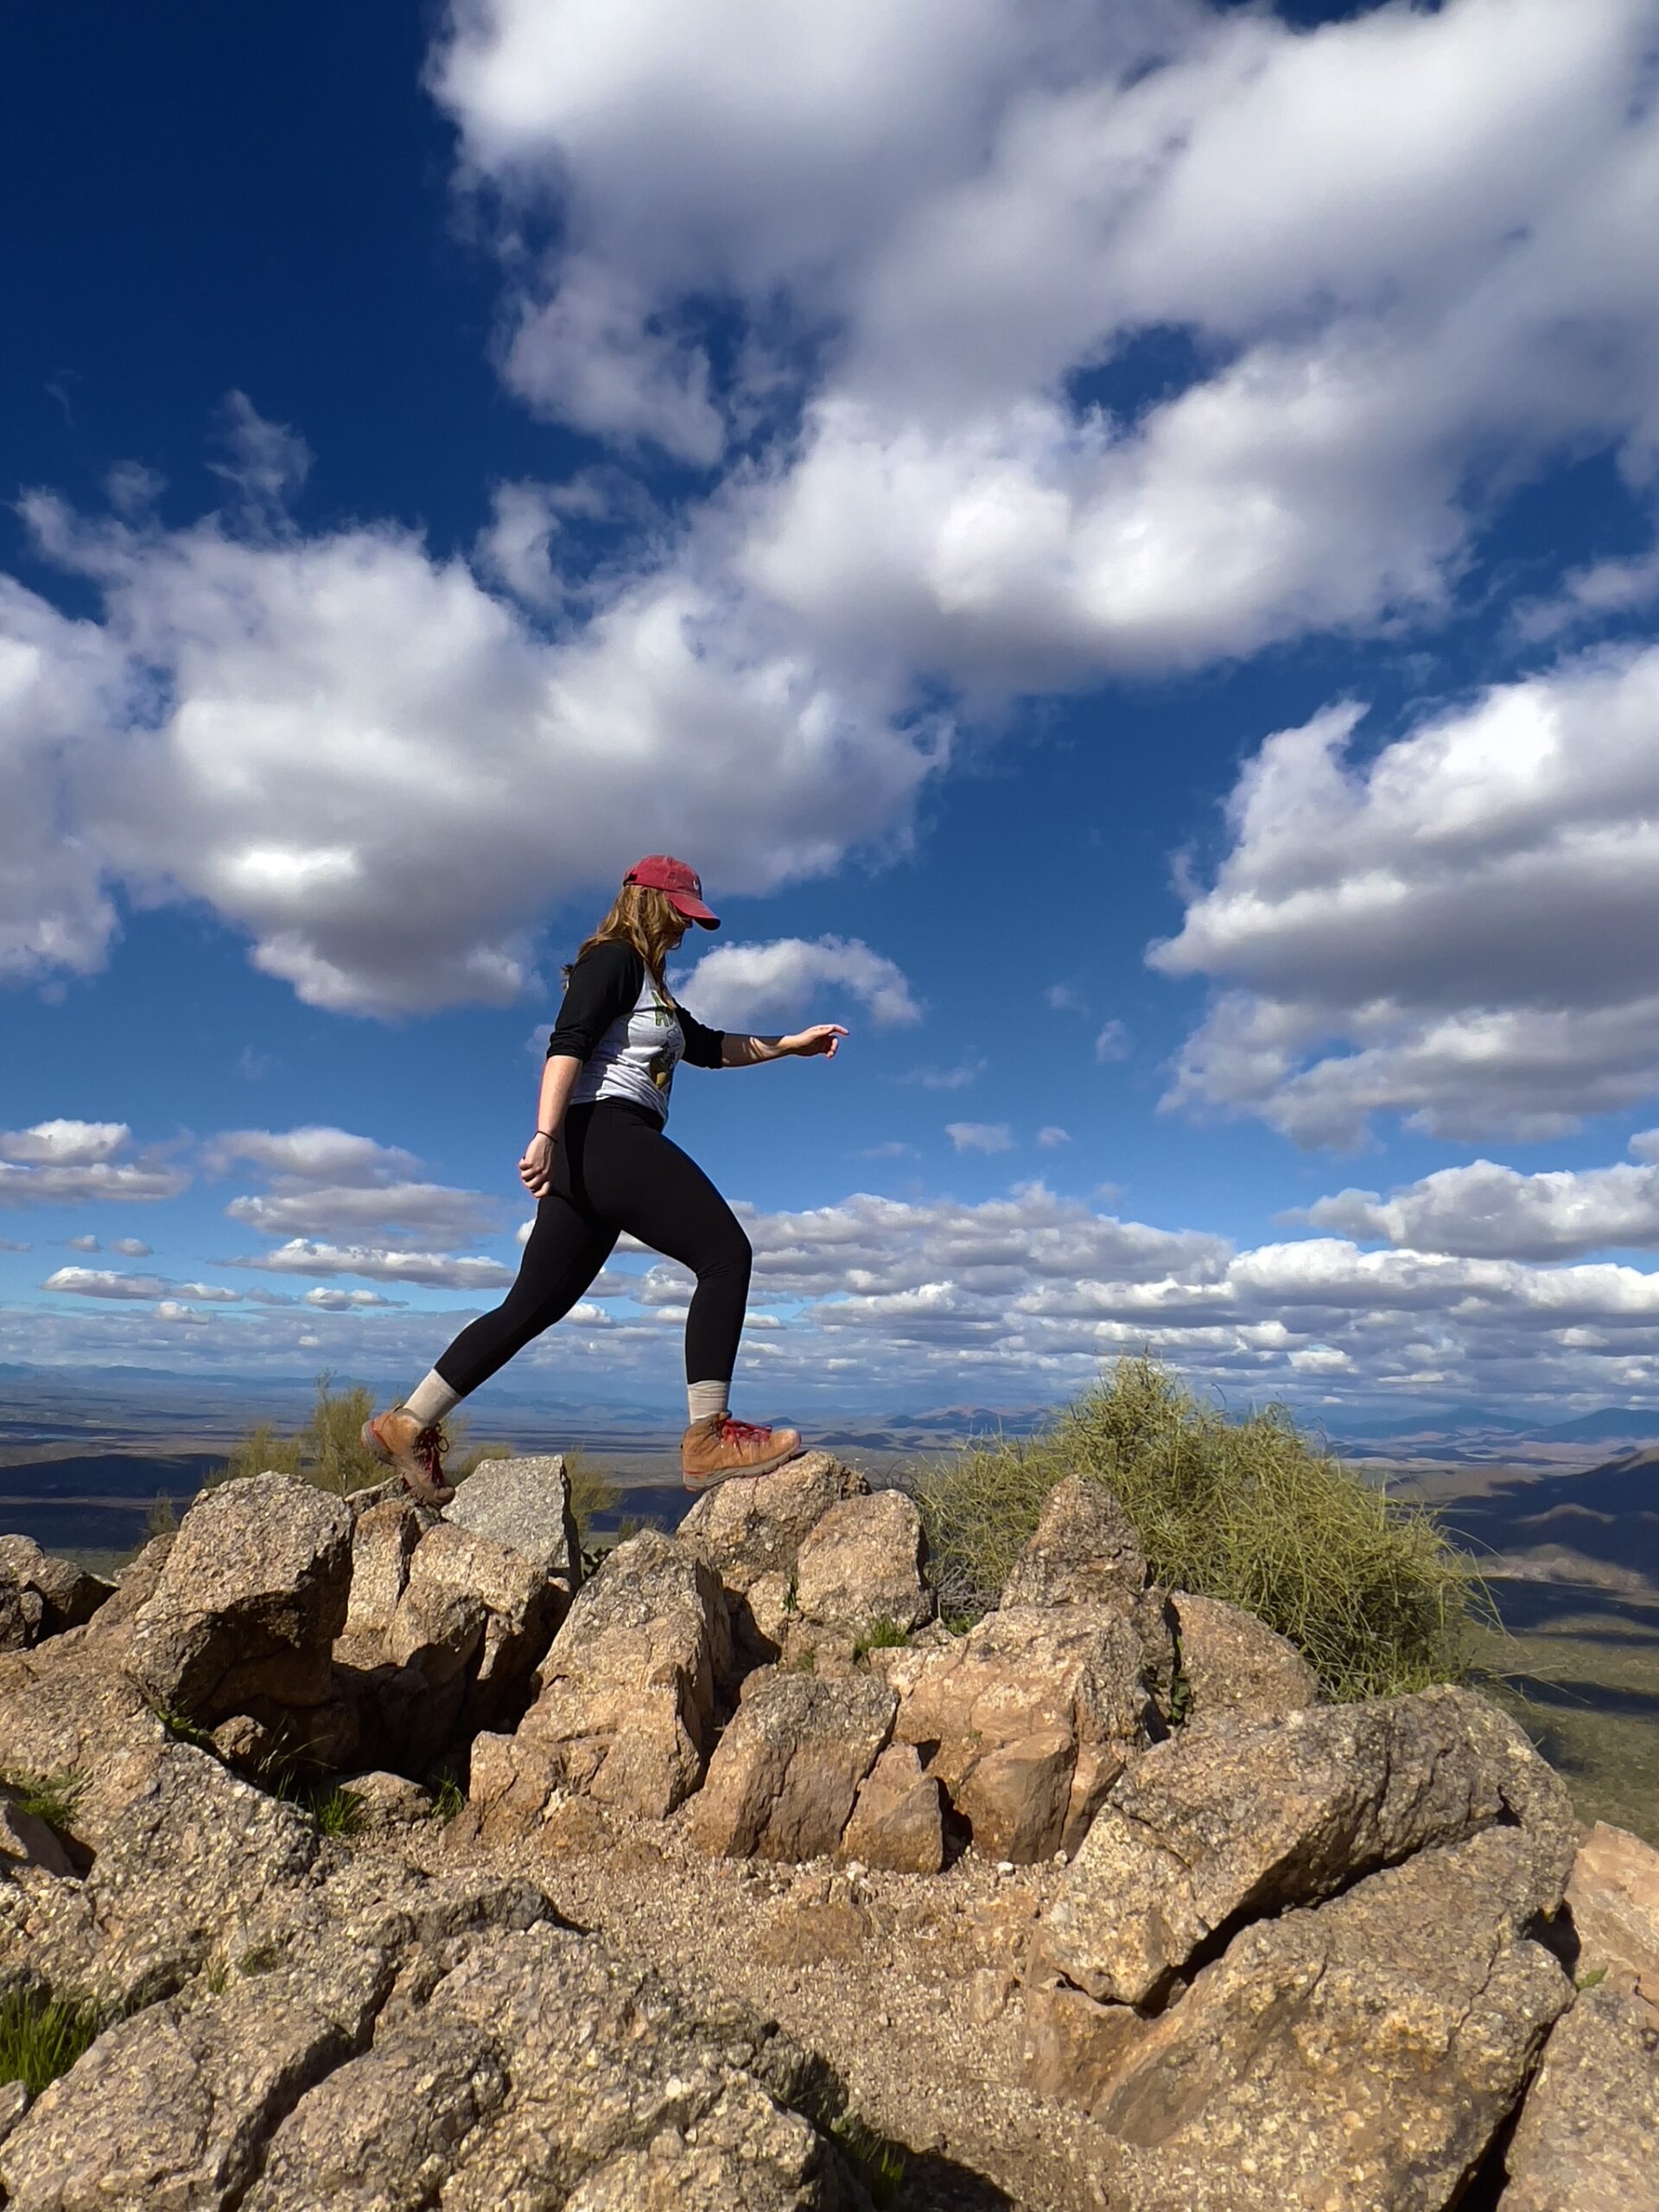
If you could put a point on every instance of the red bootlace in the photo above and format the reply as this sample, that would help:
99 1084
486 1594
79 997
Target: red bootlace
742 1432
428 1448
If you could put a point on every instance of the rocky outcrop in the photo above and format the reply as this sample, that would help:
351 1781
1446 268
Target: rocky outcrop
1358 2055
1613 1898
1085 1551
1588 2138
247 1604
525 1506
40 1596
782 1783
625 1700
373 2034
860 1567
1237 1822
1026 1719
1233 1664
754 1525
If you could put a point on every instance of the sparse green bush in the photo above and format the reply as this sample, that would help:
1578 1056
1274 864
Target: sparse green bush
1248 1509
42 2036
447 1800
592 1493
48 1797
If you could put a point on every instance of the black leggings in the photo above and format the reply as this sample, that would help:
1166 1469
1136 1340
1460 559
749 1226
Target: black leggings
614 1170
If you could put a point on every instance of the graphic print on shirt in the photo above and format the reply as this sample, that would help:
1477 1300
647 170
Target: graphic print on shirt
663 1062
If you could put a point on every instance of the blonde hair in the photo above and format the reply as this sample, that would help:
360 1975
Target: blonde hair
644 919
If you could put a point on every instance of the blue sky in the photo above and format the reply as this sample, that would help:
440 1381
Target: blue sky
1120 541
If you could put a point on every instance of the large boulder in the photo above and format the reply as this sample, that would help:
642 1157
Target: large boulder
1233 1823
1358 2055
524 1505
625 1696
860 1565
1085 1551
40 1596
1614 1896
1027 1719
247 1604
1235 1663
753 1526
1588 2137
782 1783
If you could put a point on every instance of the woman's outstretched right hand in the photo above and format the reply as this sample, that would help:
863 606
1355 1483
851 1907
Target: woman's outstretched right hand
536 1168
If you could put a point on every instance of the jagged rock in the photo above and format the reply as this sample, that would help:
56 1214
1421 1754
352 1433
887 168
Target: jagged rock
65 1709
1072 1672
1085 1551
754 1524
14 2103
26 1841
539 2070
1239 1820
383 1538
1235 1663
1015 1799
626 1695
65 1595
134 1587
388 1801
249 1600
1588 2137
522 1606
524 1504
1358 2057
196 1852
437 1626
782 1779
1613 1895
174 2106
860 1563
898 1820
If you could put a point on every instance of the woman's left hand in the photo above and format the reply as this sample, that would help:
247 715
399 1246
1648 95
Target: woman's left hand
808 1043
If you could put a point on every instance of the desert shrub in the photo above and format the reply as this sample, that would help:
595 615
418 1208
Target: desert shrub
42 2036
592 1493
329 1451
48 1797
1248 1509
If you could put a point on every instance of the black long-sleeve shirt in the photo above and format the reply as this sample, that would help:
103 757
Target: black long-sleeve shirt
628 1034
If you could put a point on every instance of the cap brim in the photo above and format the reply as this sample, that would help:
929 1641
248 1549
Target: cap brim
693 909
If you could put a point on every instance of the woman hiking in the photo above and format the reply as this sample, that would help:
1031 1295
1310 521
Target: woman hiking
599 1165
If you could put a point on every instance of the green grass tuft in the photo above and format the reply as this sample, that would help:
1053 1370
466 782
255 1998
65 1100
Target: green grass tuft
339 1811
882 1635
447 1800
42 2036
1248 1510
48 1797
182 1727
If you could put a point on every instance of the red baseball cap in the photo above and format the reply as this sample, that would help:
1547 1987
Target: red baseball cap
681 886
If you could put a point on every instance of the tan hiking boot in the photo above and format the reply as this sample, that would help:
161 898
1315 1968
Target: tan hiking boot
714 1450
398 1439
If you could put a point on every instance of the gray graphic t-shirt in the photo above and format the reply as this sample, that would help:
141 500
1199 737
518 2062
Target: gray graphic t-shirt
627 1032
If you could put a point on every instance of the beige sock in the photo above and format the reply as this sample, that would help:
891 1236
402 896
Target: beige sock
705 1400
430 1400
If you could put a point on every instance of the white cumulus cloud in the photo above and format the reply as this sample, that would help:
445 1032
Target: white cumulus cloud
1455 931
980 1136
736 985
